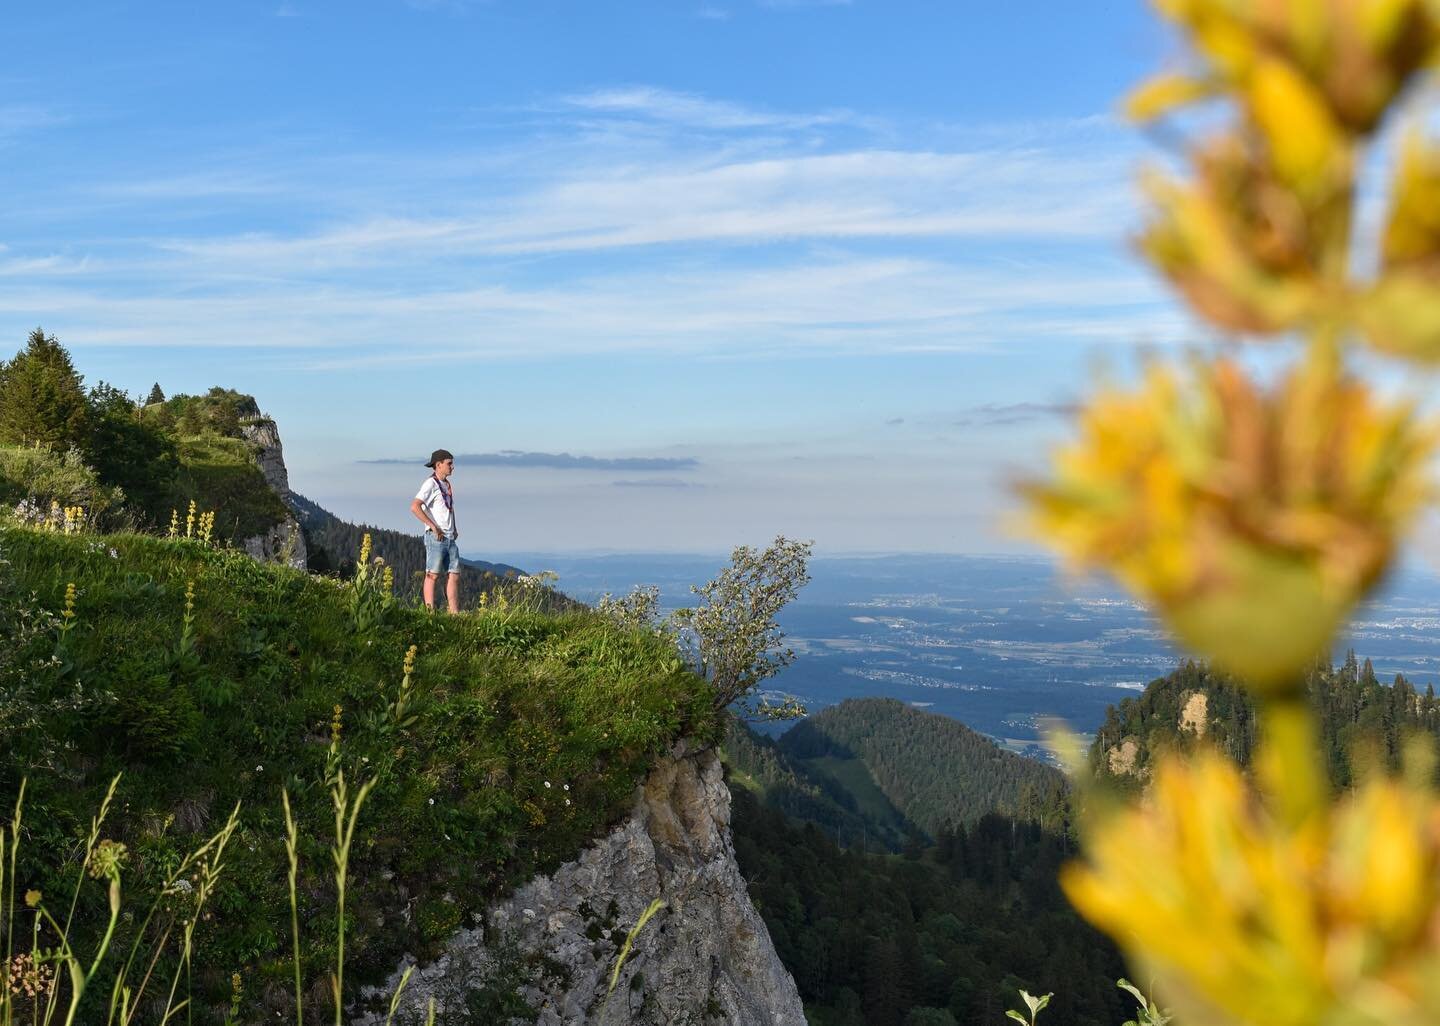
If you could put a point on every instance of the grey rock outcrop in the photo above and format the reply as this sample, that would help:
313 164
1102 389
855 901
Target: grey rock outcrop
284 542
705 958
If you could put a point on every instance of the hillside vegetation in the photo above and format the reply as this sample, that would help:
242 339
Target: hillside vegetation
1361 721
514 737
933 770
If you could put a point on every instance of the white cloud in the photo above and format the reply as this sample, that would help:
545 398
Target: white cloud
688 109
675 223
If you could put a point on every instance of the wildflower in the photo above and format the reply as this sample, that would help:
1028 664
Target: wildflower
32 898
190 520
1244 917
566 786
259 769
28 976
1254 522
365 549
567 801
174 523
431 801
114 554
547 785
106 860
335 725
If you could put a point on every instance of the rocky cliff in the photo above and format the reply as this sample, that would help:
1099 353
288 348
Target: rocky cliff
704 958
285 542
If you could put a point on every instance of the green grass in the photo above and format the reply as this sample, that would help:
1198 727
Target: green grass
220 474
521 736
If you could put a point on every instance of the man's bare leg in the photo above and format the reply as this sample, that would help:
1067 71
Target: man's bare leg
429 590
452 591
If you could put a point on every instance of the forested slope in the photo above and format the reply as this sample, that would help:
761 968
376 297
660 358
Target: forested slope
1360 718
935 770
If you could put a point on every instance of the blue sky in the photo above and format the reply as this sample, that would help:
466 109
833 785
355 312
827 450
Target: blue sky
837 270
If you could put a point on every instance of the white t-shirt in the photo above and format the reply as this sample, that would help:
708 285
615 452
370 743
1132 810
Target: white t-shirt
434 502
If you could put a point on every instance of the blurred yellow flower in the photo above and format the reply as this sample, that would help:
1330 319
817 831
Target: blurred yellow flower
1252 520
1244 250
1245 919
1354 55
1401 313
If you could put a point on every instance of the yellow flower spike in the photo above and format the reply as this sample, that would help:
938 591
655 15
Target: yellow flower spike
1401 313
1247 919
1162 94
1356 55
1243 250
1252 520
1307 147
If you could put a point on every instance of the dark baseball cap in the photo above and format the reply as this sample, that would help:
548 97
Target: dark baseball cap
440 456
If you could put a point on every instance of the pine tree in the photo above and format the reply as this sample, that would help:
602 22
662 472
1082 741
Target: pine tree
42 398
156 395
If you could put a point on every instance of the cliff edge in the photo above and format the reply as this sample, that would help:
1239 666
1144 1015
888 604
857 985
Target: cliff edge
705 958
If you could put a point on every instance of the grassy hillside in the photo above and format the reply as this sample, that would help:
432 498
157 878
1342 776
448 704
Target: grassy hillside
934 770
518 735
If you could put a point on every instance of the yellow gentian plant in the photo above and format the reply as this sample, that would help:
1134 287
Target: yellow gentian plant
1254 517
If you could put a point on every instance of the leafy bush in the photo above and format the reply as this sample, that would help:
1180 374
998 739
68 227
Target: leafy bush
42 478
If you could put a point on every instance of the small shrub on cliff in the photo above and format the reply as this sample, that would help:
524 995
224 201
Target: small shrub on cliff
732 634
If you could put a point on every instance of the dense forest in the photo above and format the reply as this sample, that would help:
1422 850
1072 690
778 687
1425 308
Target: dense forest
884 923
935 770
807 794
1361 719
940 936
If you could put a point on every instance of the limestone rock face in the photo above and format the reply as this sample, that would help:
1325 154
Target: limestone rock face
284 542
705 958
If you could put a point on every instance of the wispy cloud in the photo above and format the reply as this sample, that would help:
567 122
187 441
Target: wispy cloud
689 109
1010 414
562 461
658 482
18 119
632 219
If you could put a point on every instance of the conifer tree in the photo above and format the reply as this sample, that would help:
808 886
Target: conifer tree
157 395
42 399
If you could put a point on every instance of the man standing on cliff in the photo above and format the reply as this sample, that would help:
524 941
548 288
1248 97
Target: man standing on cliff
434 506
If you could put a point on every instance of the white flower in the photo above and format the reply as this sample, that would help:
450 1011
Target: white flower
567 801
547 783
432 801
114 554
259 769
567 787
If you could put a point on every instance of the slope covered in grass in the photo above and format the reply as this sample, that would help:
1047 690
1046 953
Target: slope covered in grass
519 736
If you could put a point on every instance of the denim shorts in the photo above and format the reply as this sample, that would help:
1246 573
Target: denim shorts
441 554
